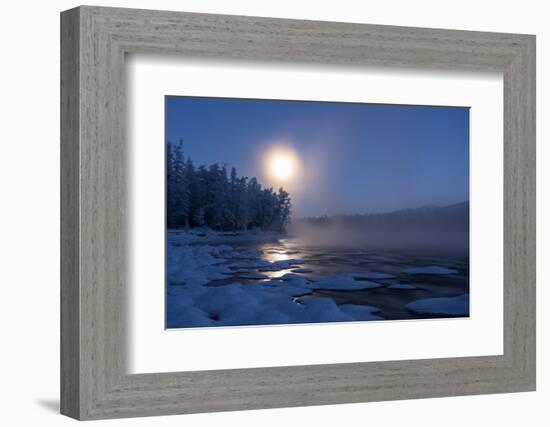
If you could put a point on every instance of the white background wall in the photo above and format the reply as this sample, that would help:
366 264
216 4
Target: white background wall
29 224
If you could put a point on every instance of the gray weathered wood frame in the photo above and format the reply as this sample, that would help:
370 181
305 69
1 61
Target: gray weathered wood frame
94 41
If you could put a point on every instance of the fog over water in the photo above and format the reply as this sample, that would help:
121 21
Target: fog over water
336 236
428 228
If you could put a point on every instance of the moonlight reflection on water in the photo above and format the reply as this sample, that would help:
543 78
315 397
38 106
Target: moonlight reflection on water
329 261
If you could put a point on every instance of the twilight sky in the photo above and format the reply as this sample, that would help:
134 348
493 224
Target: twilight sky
353 158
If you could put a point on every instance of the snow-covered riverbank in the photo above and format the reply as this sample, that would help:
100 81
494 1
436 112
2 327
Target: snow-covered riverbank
276 301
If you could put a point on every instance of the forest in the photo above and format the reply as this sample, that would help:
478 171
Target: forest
211 197
453 217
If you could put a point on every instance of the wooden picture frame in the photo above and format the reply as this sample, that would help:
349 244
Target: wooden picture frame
94 382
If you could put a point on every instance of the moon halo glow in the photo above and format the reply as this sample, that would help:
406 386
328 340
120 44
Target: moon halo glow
281 165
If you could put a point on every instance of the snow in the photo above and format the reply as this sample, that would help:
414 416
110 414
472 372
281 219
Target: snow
318 310
287 289
217 276
455 306
217 300
430 269
191 317
193 302
196 265
361 312
404 286
296 280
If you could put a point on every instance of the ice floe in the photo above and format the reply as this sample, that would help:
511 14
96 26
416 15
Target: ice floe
454 306
301 270
215 275
361 312
295 279
193 302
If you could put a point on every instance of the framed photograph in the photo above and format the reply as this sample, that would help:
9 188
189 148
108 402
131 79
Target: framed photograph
335 212
263 213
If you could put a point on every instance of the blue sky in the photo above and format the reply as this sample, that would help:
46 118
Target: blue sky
355 158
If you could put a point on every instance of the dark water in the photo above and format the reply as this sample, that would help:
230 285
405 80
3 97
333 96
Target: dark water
324 261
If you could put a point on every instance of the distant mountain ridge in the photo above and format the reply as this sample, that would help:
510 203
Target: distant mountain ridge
454 217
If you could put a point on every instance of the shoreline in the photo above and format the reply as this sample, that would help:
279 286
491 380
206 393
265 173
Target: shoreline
208 236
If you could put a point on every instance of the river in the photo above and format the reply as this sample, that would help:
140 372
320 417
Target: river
320 261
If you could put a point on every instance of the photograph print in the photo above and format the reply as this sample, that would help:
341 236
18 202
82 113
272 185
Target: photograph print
284 212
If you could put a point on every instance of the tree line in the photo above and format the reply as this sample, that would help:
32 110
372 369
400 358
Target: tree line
210 196
455 217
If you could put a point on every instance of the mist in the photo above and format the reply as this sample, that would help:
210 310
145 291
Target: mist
427 228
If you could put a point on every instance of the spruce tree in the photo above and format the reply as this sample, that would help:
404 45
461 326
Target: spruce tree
204 196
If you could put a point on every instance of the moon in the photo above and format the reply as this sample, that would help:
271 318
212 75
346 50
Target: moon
282 167
281 164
